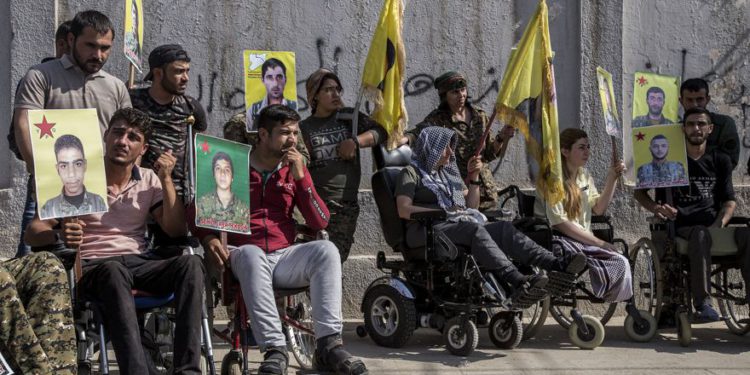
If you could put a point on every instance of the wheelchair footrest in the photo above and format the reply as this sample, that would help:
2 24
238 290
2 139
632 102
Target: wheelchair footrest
560 283
528 298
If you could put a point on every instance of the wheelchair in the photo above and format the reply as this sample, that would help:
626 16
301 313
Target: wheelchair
155 317
295 313
663 257
429 288
580 312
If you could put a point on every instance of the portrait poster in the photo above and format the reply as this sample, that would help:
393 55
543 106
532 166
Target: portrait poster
68 162
660 156
222 185
269 79
609 104
655 99
134 33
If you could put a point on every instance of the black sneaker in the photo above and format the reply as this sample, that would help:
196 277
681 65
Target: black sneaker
275 361
330 355
530 291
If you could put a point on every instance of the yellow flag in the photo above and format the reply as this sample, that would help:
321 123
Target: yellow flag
383 75
530 76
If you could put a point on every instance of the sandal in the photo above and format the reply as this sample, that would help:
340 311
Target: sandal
275 361
330 355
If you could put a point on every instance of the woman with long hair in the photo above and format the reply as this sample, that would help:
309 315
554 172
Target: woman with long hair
609 270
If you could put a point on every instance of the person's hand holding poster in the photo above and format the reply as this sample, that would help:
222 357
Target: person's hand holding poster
655 99
133 45
222 184
68 162
269 79
660 156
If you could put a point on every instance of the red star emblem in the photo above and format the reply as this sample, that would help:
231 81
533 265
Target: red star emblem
45 128
640 136
204 147
642 81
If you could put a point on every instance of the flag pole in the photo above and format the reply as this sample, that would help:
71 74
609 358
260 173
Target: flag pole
131 77
483 140
357 106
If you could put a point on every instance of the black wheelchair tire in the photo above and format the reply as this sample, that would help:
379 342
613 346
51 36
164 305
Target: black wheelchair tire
468 340
513 334
406 315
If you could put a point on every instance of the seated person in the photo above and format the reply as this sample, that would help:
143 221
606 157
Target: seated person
269 258
113 247
708 202
36 322
609 271
432 183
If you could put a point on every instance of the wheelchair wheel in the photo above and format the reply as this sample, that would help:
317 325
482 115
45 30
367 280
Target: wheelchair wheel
592 337
534 317
300 342
684 331
506 330
390 318
737 314
232 363
641 333
647 277
461 336
560 308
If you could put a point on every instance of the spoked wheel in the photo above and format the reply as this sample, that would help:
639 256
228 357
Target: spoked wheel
461 336
506 330
560 308
736 312
299 341
232 363
534 317
390 318
647 277
642 332
590 337
684 331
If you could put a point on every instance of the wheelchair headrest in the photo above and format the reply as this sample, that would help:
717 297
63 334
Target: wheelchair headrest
399 157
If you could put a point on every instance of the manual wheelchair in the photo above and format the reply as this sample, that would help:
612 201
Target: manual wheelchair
580 311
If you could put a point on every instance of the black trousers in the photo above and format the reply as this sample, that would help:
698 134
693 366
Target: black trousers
520 247
109 282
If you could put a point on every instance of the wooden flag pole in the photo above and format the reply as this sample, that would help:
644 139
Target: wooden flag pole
131 77
615 158
483 141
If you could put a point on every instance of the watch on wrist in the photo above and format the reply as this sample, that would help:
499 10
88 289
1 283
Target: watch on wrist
475 182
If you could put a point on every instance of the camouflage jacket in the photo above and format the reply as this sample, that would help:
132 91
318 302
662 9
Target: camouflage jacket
468 137
60 207
236 212
665 174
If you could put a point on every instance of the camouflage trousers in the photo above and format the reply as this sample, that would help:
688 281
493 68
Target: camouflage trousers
342 225
37 335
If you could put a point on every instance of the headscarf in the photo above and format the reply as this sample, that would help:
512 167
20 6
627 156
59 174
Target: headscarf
444 181
449 81
315 81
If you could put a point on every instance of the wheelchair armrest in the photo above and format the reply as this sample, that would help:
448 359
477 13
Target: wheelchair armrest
511 191
493 215
429 216
739 220
601 219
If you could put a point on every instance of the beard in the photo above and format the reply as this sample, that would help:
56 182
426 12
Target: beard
696 140
171 88
90 66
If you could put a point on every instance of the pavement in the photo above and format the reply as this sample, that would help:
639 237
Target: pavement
714 350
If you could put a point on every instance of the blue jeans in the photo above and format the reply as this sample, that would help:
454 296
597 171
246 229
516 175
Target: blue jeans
29 210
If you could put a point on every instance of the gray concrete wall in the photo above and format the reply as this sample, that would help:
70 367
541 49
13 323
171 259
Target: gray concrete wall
473 36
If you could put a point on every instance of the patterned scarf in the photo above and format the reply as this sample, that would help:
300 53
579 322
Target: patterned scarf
444 181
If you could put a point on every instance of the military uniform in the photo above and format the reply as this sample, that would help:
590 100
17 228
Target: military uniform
37 335
468 137
661 174
235 130
644 120
60 207
236 211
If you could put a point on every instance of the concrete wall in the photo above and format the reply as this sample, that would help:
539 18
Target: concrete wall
473 36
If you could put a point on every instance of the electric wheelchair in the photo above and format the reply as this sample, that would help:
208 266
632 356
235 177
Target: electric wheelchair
580 311
435 286
662 260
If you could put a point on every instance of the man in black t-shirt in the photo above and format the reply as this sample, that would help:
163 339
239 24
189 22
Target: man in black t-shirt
702 210
170 111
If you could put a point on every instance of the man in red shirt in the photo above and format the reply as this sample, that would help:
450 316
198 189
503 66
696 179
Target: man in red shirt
268 258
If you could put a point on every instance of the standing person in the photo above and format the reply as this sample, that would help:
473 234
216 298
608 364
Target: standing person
36 320
268 258
334 154
75 80
114 254
610 274
694 94
702 210
455 112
